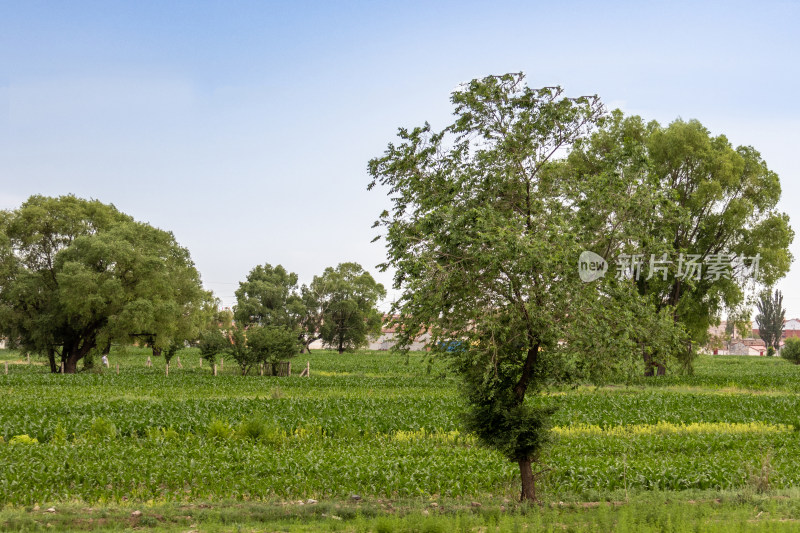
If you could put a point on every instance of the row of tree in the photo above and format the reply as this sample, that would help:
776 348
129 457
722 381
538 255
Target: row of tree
78 275
274 318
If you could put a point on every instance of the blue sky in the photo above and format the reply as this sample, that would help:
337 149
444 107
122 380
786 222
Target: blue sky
245 127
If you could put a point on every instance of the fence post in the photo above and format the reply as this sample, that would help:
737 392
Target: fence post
261 368
221 364
149 363
215 370
289 372
179 362
118 369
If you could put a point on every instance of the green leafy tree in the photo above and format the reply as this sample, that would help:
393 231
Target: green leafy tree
680 194
311 321
272 344
212 343
770 318
269 296
791 350
347 299
262 344
76 275
240 351
484 235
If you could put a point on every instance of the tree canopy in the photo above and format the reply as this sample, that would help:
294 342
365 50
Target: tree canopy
347 298
269 296
76 275
688 203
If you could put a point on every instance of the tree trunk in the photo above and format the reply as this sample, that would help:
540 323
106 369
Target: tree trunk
73 352
528 492
51 356
341 345
71 364
652 368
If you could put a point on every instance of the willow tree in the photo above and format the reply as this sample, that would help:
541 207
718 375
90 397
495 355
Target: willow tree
483 244
697 210
77 275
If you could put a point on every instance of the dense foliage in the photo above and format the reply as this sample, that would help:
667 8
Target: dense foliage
791 350
347 297
686 209
77 275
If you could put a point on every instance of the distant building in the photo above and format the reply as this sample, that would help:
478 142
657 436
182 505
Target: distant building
747 347
386 340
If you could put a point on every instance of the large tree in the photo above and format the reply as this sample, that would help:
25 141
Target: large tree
269 297
770 318
484 237
702 210
347 298
77 275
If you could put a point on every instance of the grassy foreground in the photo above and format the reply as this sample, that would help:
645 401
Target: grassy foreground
644 514
192 451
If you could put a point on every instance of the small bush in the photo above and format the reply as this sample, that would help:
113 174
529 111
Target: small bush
252 428
59 435
159 433
23 439
102 429
219 429
257 429
791 350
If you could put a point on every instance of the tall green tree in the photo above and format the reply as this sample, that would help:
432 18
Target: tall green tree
484 235
770 318
269 296
700 208
77 275
347 297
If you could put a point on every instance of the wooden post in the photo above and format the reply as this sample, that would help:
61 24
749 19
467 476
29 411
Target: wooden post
118 369
179 362
201 362
290 369
166 370
149 363
215 370
261 368
221 364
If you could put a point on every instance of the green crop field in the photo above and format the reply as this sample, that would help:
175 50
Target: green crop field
719 449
